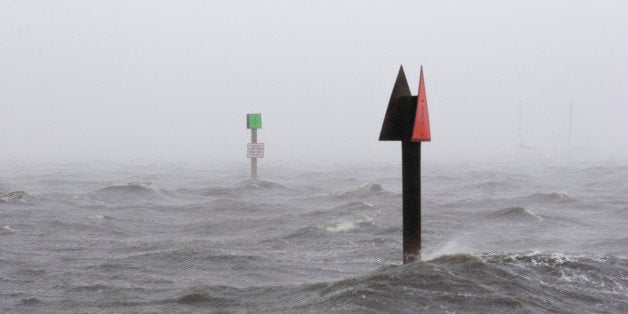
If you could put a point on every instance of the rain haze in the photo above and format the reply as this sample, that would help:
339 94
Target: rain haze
125 185
171 80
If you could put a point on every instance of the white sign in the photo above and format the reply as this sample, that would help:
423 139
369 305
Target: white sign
255 150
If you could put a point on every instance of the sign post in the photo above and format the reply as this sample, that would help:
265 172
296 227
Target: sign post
407 120
254 150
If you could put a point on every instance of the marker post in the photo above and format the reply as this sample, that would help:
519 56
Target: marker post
253 159
407 120
254 149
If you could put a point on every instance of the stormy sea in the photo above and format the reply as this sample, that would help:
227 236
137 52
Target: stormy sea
184 237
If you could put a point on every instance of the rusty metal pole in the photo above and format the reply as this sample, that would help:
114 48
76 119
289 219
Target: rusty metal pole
411 177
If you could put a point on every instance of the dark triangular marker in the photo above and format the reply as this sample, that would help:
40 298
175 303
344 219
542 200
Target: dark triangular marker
421 129
407 120
392 129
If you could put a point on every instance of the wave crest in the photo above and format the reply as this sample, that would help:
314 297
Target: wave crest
16 197
515 213
561 197
337 226
131 191
457 258
202 299
368 189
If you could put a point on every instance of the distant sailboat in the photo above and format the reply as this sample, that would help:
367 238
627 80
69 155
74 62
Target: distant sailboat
571 146
521 146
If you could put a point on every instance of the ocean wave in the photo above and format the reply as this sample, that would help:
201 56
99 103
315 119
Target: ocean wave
352 207
348 209
92 288
500 282
140 191
345 217
98 217
604 170
304 233
457 258
337 226
244 187
555 197
16 197
30 301
491 283
206 300
216 191
492 186
534 258
535 198
5 229
183 257
369 189
261 185
515 213
134 187
225 204
340 225
86 226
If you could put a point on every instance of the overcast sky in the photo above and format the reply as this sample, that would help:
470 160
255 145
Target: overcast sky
173 80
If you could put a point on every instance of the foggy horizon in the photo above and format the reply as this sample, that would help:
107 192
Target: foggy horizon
173 81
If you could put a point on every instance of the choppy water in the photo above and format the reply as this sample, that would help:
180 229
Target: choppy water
198 238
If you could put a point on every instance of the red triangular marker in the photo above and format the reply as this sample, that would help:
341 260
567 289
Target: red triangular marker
421 129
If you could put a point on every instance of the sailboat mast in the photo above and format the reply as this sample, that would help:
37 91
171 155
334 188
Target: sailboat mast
520 125
570 114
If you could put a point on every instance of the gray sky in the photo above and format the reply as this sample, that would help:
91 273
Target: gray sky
173 80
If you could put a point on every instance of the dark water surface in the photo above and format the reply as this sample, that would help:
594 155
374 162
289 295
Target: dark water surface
198 238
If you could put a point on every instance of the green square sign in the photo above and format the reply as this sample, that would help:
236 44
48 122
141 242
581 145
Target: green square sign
254 121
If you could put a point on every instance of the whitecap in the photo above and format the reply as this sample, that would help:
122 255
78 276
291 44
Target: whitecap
16 196
337 226
5 228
